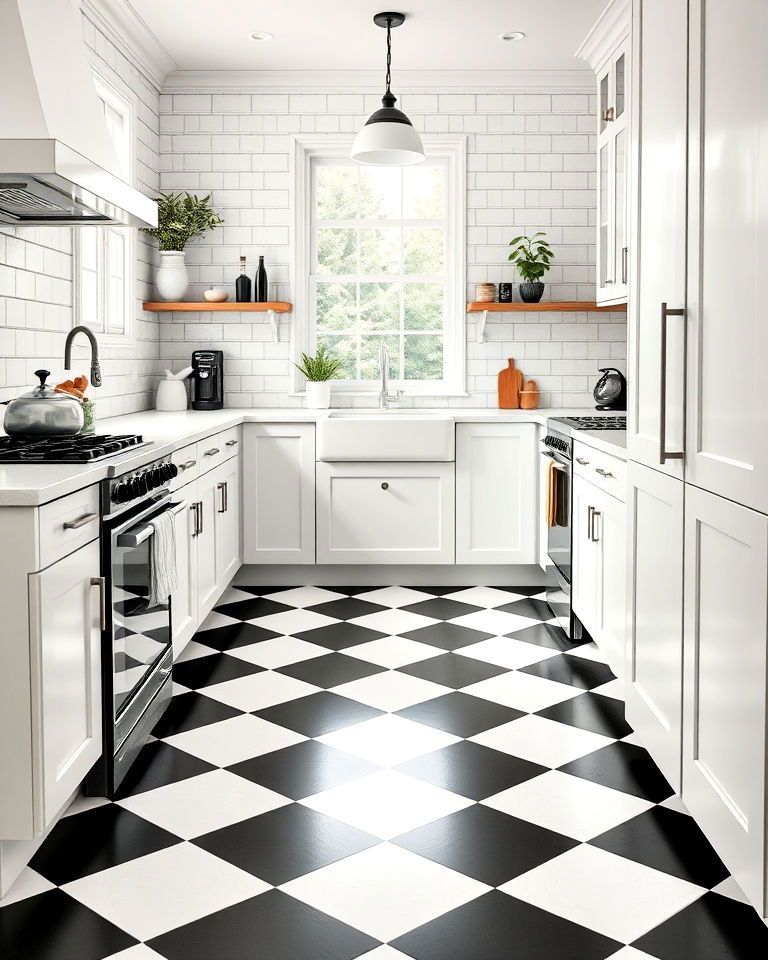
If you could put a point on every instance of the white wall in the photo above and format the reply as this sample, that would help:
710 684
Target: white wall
36 275
530 167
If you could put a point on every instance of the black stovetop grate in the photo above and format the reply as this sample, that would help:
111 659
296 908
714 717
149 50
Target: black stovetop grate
79 449
595 423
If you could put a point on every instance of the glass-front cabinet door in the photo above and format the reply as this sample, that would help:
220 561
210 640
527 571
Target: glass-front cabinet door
612 173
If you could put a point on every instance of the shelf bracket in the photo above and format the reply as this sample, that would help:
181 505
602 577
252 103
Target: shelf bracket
481 326
274 323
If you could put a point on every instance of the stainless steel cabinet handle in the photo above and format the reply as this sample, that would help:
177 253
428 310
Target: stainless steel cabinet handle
624 264
187 465
603 473
200 514
101 583
608 115
582 461
226 495
590 512
222 506
231 443
80 522
193 508
212 452
592 534
665 454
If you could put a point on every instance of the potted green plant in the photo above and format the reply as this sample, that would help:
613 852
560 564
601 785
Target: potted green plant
180 218
318 372
532 258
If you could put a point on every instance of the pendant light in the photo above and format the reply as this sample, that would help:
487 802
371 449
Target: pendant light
388 137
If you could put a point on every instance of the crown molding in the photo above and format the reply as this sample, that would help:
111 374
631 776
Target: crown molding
578 80
610 28
120 23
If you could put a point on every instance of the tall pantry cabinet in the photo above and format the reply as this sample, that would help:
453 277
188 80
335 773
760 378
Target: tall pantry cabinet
697 680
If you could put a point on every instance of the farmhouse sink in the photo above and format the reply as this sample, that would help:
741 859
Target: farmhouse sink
385 435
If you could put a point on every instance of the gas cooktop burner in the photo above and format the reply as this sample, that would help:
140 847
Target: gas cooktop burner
65 449
594 423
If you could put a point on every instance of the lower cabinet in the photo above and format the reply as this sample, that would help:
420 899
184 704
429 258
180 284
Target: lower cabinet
206 545
184 620
279 492
65 639
228 516
599 568
496 493
654 681
725 682
385 512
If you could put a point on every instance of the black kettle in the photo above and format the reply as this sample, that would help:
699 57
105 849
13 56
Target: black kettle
610 391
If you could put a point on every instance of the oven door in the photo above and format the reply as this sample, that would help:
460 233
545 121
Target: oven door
141 631
558 512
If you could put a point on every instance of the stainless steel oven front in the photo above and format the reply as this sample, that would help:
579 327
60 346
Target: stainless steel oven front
556 460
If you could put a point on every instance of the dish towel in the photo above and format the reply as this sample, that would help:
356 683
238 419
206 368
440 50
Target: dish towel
551 495
164 578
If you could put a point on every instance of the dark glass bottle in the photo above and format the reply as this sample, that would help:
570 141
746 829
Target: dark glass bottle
262 287
243 285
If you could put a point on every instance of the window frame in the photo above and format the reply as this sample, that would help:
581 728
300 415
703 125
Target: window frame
451 149
124 104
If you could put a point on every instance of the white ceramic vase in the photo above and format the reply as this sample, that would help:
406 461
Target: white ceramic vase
318 394
171 277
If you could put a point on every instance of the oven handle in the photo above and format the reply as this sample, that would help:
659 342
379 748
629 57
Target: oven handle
141 533
558 465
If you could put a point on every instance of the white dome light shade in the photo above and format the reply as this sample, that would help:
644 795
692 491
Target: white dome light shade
387 141
388 137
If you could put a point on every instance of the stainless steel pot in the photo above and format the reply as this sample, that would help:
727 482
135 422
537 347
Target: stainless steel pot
43 412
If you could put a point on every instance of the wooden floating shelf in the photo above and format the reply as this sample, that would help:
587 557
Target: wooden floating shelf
570 306
276 306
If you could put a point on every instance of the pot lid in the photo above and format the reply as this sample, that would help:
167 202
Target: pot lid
43 392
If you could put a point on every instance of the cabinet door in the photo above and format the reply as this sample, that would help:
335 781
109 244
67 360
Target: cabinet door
385 513
496 493
278 493
654 658
228 521
658 249
724 754
66 677
585 559
184 598
727 442
206 546
610 530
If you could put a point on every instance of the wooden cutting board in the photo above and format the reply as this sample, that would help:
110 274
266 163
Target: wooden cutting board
510 385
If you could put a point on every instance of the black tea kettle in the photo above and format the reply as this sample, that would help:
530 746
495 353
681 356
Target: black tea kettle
610 391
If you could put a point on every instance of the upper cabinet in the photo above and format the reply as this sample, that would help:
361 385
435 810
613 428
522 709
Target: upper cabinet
607 49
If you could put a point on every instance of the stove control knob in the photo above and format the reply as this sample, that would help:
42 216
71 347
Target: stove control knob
173 470
140 482
118 493
153 478
129 490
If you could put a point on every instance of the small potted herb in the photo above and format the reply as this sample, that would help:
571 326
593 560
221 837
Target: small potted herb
532 258
318 372
180 218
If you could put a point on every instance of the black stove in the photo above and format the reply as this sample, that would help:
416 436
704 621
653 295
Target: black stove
79 449
593 423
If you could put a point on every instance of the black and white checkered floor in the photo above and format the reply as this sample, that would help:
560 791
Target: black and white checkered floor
384 773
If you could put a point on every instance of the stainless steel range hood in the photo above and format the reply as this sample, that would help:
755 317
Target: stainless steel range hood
58 166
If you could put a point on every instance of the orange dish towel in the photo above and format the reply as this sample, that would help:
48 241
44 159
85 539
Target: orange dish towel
551 495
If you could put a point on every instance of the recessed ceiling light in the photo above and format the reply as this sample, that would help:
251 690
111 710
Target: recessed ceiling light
513 35
261 35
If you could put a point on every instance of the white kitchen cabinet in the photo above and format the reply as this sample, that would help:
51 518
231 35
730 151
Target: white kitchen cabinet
65 645
184 599
726 667
228 532
584 555
385 512
278 498
206 545
496 496
727 415
654 658
607 49
658 256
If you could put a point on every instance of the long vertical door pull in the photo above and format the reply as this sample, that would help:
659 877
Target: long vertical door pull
665 454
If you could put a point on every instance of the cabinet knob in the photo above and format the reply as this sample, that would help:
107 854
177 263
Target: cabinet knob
385 486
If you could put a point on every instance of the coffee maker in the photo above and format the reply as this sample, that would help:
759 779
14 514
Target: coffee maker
207 379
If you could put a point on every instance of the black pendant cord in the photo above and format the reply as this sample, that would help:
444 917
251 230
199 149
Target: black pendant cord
389 55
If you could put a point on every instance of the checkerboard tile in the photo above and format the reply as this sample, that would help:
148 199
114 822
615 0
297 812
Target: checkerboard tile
349 772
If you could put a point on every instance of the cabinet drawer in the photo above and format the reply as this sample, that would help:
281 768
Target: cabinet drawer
385 513
189 466
68 523
606 472
216 449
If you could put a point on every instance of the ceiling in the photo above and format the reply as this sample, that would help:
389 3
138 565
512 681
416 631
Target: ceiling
340 34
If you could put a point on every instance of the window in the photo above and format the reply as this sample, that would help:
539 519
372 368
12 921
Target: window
382 251
104 254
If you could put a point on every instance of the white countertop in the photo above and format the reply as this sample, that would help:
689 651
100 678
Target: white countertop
31 484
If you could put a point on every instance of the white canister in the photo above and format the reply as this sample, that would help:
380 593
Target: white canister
318 394
171 277
171 392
